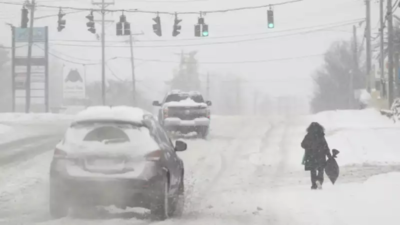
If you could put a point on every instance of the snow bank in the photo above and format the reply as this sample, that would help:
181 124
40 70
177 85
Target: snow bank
361 136
357 119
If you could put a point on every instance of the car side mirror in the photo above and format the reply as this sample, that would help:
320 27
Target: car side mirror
180 146
209 103
156 103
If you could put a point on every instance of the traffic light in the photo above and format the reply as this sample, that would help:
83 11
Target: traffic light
201 28
61 22
91 24
270 14
127 28
177 28
119 29
24 18
157 27
197 30
123 27
204 33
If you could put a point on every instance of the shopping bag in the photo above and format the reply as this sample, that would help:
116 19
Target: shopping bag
332 168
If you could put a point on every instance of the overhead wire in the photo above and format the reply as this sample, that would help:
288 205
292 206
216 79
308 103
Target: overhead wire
201 44
112 72
324 26
163 12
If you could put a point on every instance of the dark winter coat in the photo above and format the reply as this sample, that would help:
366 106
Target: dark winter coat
316 148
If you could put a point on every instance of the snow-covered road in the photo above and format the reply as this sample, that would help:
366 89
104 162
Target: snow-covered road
247 172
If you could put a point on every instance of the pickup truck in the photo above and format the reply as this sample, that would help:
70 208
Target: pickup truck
184 112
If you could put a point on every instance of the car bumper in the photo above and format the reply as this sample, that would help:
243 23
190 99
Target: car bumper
119 192
176 122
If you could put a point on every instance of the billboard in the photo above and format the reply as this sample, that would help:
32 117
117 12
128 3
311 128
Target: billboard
37 88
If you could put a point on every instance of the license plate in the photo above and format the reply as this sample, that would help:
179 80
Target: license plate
105 164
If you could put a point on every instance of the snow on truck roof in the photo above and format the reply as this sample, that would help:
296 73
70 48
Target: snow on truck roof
179 92
109 113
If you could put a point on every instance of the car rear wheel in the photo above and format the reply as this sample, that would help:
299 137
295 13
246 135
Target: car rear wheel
57 203
161 208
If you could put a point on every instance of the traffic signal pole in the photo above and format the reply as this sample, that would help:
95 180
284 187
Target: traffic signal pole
28 69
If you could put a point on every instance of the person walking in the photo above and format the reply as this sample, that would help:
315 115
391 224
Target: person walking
316 150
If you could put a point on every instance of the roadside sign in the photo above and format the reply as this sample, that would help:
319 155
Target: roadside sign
38 86
74 85
22 34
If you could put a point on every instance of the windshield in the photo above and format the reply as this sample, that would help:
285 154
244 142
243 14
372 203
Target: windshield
181 97
106 132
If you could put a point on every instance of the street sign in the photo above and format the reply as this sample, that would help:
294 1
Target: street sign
22 34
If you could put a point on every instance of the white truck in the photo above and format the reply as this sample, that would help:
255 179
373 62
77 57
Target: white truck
184 112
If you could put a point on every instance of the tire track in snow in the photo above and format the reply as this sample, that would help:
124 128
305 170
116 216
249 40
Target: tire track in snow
233 172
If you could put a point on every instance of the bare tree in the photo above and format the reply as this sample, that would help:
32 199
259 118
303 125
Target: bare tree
338 78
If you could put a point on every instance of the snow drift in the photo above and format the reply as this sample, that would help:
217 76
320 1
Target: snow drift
362 136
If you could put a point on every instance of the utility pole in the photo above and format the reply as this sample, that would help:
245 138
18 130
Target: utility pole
28 69
368 38
208 85
390 53
103 53
382 38
396 72
133 70
103 5
355 67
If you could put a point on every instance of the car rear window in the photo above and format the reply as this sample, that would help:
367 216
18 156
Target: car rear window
107 133
181 97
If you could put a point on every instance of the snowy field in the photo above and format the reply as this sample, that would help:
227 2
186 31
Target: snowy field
248 172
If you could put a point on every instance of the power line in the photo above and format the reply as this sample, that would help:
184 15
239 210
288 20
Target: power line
336 24
177 62
234 62
165 12
112 72
201 44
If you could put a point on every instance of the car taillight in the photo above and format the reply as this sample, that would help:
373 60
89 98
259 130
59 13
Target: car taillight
165 112
208 113
154 156
59 153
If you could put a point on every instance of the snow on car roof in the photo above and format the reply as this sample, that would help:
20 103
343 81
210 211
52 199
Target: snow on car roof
107 113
